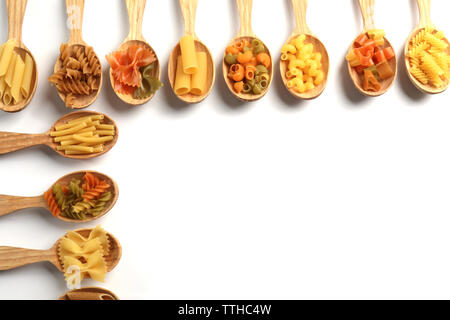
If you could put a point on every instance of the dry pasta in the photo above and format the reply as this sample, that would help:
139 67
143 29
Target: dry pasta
85 135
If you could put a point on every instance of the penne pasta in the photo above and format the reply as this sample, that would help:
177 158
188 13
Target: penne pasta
6 57
70 136
198 79
105 127
10 73
27 75
17 79
189 58
93 139
68 131
182 80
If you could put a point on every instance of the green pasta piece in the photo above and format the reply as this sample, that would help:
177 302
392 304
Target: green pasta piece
256 43
59 196
263 84
245 49
82 206
70 214
257 89
247 88
259 49
261 69
100 204
75 188
148 70
231 58
149 84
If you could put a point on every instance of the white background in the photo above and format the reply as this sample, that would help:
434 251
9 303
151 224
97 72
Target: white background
340 197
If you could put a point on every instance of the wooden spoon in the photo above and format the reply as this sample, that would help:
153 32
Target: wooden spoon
301 28
89 293
245 33
135 37
16 13
9 204
188 8
367 9
11 257
425 20
75 9
10 141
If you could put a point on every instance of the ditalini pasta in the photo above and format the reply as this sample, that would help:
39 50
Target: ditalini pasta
133 71
188 55
248 66
182 79
198 79
304 66
79 74
84 254
16 73
84 135
429 57
79 199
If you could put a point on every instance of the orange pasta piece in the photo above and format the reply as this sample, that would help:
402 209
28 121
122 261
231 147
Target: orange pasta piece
238 86
250 72
232 50
264 59
237 72
52 204
245 57
96 192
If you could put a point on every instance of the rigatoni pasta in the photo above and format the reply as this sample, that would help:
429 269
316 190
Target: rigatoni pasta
85 135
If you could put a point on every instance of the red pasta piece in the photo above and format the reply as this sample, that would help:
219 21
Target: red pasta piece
96 192
51 201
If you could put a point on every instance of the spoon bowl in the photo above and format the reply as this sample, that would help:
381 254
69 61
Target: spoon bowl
10 204
135 10
246 33
12 257
16 12
425 20
318 47
210 73
10 141
367 10
385 85
89 293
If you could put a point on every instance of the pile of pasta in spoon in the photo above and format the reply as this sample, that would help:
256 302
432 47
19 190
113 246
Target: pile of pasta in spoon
84 135
85 255
79 199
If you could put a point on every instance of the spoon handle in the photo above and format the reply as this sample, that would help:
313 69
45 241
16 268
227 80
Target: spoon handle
245 13
10 141
189 8
424 11
89 296
16 13
9 204
300 16
11 257
367 10
75 10
135 15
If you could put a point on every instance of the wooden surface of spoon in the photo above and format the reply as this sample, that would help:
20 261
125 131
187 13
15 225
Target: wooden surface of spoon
89 293
299 7
135 16
75 9
10 141
16 13
246 33
425 20
367 10
12 257
9 204
188 9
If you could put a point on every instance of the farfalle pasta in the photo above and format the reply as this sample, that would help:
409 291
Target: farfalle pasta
84 255
79 200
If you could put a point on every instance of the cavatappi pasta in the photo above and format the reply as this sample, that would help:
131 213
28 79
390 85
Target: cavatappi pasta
79 74
304 66
84 254
79 200
15 74
429 57
191 69
248 66
85 135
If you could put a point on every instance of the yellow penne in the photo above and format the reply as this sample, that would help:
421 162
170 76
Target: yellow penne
92 140
189 58
105 132
7 97
2 86
91 118
6 57
70 136
105 127
182 79
198 80
17 79
28 73
10 73
68 131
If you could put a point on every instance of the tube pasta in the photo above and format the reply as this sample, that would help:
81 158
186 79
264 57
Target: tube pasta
7 56
28 73
182 79
189 58
17 79
198 79
75 137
